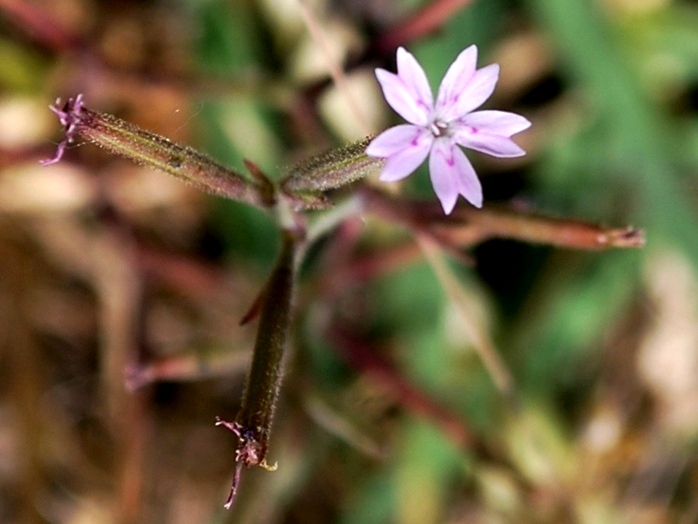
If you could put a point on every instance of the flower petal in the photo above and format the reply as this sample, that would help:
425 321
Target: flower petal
403 164
453 174
478 89
414 77
441 168
394 140
402 98
496 122
456 79
401 161
495 145
468 183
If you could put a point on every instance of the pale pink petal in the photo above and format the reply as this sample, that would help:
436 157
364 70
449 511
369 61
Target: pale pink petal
414 77
468 183
403 163
456 78
499 123
451 175
439 131
394 140
473 94
442 173
499 146
402 98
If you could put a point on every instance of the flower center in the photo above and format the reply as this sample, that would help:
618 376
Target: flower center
440 128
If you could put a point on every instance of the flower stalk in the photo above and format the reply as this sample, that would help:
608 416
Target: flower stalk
331 170
253 423
149 149
303 185
467 227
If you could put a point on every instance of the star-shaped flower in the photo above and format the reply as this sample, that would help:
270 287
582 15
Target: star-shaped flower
437 129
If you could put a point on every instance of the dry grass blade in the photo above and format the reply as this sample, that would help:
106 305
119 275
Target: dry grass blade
481 340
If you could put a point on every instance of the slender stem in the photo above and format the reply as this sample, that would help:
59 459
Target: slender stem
427 20
481 340
339 77
468 226
331 170
264 379
146 148
253 423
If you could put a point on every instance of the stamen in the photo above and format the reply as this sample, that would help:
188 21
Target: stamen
439 128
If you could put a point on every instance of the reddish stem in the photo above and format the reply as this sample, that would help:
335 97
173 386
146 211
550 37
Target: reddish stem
358 354
39 24
425 21
468 226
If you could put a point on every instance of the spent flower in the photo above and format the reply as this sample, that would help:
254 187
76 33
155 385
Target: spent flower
69 115
436 129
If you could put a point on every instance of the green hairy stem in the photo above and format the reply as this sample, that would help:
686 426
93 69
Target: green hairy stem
185 163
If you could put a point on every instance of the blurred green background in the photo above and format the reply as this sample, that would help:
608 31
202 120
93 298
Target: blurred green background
112 274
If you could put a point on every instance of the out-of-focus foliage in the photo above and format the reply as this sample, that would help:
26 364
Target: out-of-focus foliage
111 274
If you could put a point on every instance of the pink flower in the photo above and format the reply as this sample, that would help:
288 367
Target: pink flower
435 130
